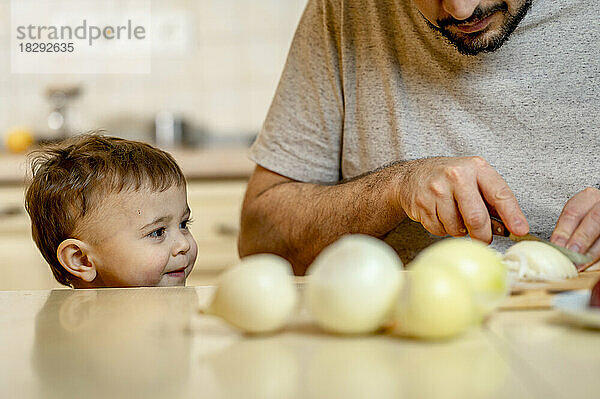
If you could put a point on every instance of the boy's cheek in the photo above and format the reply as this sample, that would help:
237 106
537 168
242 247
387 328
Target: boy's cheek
146 274
195 253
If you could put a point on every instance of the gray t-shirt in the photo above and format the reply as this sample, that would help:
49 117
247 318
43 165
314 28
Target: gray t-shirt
368 82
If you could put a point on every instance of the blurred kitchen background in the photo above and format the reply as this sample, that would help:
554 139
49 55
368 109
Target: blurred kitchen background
215 67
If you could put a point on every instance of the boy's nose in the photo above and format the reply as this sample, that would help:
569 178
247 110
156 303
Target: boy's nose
181 244
460 9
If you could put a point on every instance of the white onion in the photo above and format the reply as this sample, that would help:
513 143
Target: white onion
533 260
479 264
353 284
258 295
435 303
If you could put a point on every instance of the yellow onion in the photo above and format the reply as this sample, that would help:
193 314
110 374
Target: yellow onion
435 303
480 265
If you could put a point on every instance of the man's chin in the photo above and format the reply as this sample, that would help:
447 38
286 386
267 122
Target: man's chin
487 40
473 44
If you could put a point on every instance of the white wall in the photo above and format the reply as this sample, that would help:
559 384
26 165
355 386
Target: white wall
218 66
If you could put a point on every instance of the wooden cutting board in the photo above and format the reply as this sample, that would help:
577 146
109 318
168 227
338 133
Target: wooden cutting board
538 295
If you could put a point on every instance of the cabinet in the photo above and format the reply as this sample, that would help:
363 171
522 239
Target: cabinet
215 207
22 266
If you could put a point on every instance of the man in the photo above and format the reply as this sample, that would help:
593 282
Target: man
411 120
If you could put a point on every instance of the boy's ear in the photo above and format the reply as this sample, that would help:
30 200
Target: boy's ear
73 255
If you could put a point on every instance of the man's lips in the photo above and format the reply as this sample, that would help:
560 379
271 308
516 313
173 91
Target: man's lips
475 26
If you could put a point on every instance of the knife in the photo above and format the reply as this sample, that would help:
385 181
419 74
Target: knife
499 229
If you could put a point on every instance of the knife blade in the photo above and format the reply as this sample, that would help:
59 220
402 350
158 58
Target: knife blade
499 229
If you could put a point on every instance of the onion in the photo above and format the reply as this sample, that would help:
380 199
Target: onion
533 260
435 303
479 264
258 295
353 284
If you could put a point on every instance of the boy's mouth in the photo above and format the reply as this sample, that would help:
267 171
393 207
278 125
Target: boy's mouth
177 273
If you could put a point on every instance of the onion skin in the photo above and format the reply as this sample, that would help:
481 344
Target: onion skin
257 296
595 296
353 284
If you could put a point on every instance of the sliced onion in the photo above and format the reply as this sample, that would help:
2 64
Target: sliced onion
533 260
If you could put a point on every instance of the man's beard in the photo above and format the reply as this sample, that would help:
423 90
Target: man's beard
475 43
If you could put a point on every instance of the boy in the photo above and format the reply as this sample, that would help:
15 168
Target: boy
109 212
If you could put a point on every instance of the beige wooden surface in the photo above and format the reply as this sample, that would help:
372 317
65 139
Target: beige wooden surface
153 343
559 360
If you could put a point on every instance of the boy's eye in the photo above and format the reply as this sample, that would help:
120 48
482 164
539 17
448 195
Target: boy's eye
185 224
157 233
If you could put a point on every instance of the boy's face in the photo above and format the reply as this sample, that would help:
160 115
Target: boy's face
141 238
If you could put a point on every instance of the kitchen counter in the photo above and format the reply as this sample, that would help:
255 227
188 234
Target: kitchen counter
153 343
197 164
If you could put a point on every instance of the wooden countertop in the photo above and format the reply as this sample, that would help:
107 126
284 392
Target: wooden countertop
153 342
197 164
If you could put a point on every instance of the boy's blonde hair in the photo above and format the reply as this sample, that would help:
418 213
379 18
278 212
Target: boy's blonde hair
70 179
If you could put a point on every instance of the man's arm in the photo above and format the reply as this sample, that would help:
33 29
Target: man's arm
297 220
447 195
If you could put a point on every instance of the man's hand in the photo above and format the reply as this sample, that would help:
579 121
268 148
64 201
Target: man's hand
578 227
453 196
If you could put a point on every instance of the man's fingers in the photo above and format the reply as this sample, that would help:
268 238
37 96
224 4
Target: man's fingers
431 223
424 211
450 218
568 221
499 195
594 251
446 212
588 231
471 207
474 212
571 216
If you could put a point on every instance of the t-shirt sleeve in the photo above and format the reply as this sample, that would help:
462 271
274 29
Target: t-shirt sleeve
301 135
